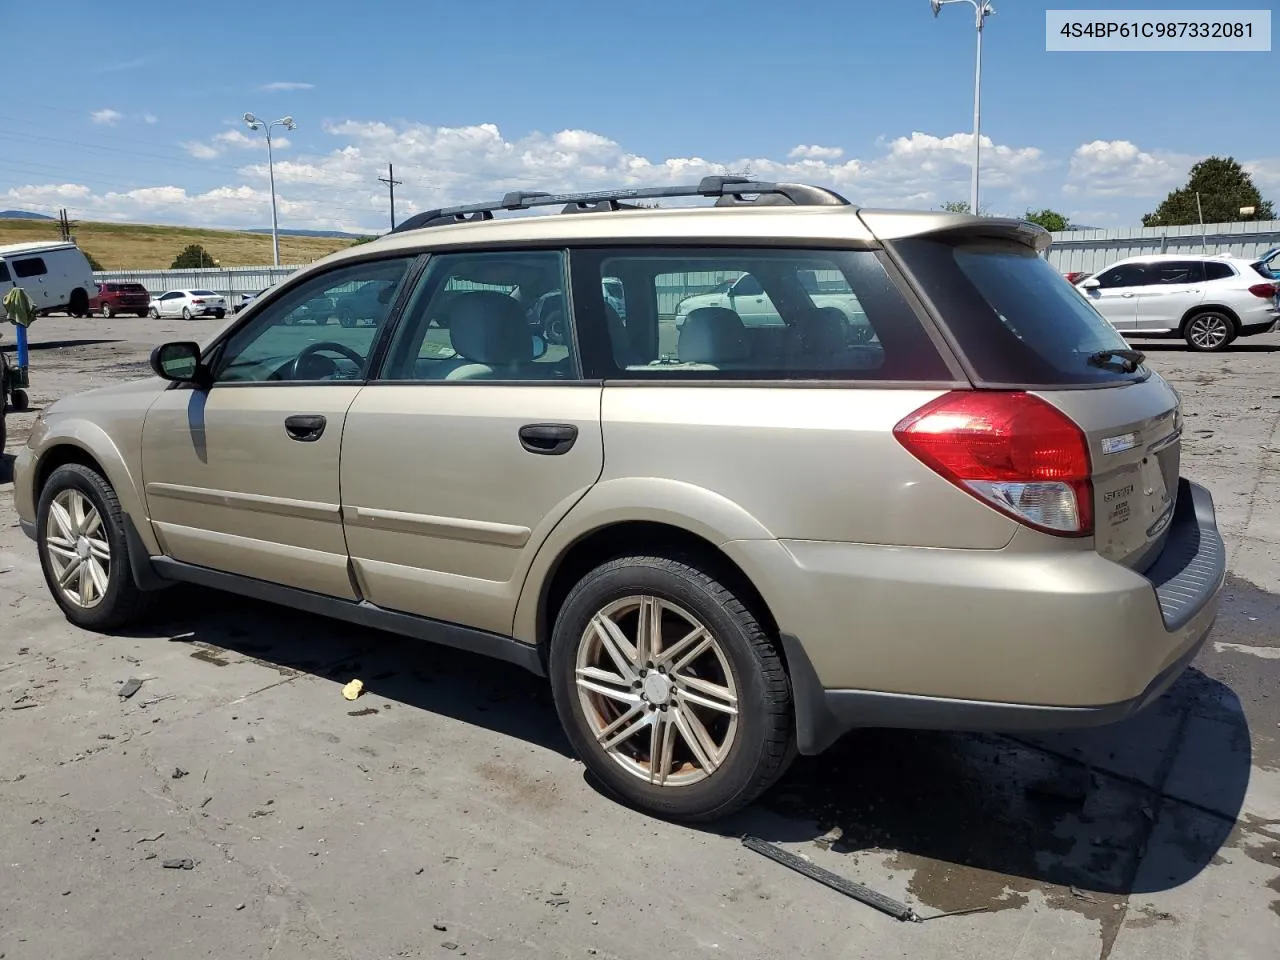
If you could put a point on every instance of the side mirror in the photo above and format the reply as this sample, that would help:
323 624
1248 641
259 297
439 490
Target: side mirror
1091 284
539 347
179 362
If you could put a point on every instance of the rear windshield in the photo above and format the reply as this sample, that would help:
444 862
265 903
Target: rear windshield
203 293
1012 316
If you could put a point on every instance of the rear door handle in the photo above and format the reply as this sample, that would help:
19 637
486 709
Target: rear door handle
305 428
550 439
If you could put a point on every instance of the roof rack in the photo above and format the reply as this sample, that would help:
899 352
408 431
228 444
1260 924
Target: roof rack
728 191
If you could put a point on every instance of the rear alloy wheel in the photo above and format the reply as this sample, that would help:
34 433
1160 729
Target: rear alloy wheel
84 552
186 313
1208 332
669 689
107 312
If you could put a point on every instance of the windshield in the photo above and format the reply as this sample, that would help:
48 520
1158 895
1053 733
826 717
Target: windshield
203 293
1012 316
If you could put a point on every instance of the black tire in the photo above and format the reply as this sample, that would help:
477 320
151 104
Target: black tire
219 314
186 313
1209 331
107 312
78 306
122 603
19 401
762 748
154 313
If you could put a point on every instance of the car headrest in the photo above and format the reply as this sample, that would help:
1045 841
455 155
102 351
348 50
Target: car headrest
713 335
490 327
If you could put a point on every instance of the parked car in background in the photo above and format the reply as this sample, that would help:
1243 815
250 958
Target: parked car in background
247 298
188 304
746 297
1075 276
725 545
1209 301
56 276
115 297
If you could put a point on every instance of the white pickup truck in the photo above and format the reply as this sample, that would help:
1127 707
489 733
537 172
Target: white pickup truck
746 297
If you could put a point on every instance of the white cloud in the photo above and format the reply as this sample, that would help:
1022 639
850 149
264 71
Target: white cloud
442 165
150 119
201 151
815 152
280 85
106 117
1121 168
1266 174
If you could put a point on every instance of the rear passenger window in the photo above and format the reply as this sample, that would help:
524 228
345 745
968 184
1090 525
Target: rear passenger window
748 314
1178 271
1218 271
486 316
31 267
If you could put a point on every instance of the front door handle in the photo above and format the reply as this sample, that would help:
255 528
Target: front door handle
305 428
551 439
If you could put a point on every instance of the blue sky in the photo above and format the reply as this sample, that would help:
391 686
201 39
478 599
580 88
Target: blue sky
137 117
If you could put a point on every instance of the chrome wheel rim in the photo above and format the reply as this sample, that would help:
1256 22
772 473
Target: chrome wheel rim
657 692
1209 332
79 553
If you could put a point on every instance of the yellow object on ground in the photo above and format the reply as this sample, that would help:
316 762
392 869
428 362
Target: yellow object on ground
353 689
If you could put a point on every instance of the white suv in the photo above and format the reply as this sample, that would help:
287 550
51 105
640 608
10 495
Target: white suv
1207 300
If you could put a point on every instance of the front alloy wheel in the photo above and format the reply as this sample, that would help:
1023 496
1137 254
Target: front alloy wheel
79 552
657 691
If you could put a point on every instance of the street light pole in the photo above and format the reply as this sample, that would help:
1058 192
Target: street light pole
256 124
982 10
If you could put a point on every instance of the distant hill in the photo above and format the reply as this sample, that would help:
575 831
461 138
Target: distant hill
140 246
22 215
336 234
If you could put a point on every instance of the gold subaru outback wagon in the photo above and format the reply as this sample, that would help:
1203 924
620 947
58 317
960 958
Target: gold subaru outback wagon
887 469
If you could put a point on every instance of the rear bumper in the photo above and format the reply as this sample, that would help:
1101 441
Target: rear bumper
1261 326
1013 639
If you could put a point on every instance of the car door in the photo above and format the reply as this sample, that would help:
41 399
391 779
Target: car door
470 445
31 274
1174 287
171 303
1115 297
243 477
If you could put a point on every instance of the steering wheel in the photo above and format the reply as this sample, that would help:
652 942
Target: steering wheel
314 349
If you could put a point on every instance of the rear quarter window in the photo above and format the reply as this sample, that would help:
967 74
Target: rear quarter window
1218 271
1010 314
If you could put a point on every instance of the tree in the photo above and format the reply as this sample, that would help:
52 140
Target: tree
1224 187
93 261
962 206
365 239
1051 220
192 256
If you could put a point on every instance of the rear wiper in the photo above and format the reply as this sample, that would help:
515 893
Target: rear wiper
1129 359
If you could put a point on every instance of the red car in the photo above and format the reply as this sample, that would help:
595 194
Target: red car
1076 276
116 298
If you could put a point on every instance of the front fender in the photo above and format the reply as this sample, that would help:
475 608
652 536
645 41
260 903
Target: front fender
89 438
674 503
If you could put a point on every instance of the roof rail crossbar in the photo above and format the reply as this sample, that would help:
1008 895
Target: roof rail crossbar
728 191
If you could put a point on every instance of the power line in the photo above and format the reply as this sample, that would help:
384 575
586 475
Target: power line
391 182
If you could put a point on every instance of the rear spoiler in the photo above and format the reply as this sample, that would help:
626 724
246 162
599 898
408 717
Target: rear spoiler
900 225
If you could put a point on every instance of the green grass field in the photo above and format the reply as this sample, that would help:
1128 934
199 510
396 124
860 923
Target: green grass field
137 246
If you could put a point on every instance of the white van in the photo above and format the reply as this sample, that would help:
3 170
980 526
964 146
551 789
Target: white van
55 274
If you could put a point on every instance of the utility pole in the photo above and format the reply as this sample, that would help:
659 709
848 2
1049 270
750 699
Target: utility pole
391 182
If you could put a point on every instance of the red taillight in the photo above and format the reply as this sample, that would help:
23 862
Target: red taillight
1011 450
1264 290
197 301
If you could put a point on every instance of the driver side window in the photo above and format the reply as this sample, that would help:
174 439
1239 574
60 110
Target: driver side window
321 330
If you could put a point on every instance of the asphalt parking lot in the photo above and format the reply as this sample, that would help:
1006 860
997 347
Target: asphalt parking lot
442 815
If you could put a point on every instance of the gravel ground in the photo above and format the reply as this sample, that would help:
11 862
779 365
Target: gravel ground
238 806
